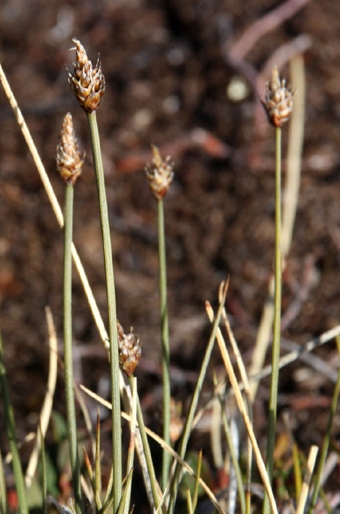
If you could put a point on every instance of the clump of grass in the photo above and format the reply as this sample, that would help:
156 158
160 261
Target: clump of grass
124 351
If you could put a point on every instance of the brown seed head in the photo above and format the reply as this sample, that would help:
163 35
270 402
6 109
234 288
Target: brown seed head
159 174
87 83
278 100
129 351
69 159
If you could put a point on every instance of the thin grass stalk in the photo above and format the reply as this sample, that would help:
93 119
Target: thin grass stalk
193 404
68 357
124 502
165 341
3 496
277 310
234 458
95 475
112 312
192 500
43 470
272 416
297 470
148 457
98 477
217 452
132 445
89 469
313 452
326 441
248 400
198 474
296 459
10 429
48 400
190 508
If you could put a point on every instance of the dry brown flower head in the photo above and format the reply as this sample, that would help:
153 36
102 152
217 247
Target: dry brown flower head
87 82
278 100
159 173
129 351
69 158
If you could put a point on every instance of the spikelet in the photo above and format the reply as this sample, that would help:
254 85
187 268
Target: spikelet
278 100
69 159
87 83
159 174
129 351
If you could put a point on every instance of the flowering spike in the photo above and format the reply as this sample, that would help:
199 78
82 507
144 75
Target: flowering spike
278 100
87 83
69 159
159 173
129 351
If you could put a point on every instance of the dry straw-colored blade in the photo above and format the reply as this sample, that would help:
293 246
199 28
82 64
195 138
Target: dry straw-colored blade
48 400
243 410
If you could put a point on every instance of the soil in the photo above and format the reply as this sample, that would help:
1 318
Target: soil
169 67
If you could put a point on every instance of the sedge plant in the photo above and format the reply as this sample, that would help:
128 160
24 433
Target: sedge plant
160 174
88 84
69 163
278 104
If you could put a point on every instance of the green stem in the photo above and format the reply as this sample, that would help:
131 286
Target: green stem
112 313
165 341
277 318
155 490
13 445
68 358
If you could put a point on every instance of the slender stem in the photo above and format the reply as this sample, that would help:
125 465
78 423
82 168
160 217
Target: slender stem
40 434
112 313
277 318
68 358
155 491
13 444
165 341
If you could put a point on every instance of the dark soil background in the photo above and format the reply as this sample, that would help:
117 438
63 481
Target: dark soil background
169 73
